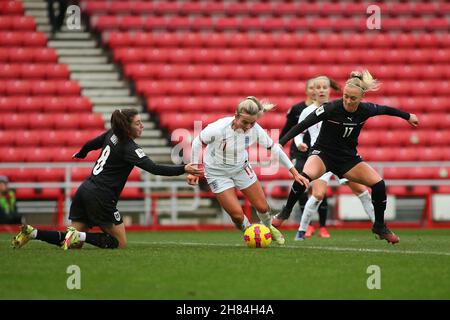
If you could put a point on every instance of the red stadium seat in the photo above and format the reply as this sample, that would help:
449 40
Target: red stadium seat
34 39
7 137
41 55
43 88
25 23
68 121
23 138
50 174
41 121
67 88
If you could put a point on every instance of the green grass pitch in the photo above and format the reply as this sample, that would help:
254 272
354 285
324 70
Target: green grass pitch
217 265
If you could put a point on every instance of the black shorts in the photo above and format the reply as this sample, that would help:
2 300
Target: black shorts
93 207
338 164
299 163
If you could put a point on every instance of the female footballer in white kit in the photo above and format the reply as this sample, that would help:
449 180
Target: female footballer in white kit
227 166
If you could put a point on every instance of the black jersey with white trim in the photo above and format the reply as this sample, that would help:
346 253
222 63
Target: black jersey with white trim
340 129
291 120
117 159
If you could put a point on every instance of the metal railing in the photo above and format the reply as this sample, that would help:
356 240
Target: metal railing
149 183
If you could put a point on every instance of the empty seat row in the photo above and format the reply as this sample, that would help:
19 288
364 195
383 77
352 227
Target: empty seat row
17 23
42 154
65 137
274 40
276 87
413 137
54 174
52 104
39 87
435 121
34 71
206 103
28 55
416 173
282 55
56 121
11 8
22 38
258 8
291 24
426 121
138 71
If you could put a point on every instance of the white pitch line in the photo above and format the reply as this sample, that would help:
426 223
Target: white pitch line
435 253
300 247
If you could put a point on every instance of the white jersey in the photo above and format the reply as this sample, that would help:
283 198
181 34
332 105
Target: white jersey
226 147
313 130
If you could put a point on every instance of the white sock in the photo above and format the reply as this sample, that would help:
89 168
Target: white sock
366 201
266 218
81 236
244 225
34 233
311 207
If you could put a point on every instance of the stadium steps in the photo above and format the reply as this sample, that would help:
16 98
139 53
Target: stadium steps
102 82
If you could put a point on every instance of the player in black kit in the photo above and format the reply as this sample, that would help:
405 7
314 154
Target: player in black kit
95 202
299 157
335 148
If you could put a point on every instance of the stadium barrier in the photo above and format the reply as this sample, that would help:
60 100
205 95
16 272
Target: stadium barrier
435 212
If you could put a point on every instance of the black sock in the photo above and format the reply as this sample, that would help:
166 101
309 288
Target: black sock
102 240
302 200
296 191
379 202
323 212
52 237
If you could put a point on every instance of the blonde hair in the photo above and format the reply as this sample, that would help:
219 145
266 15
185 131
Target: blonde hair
253 106
363 80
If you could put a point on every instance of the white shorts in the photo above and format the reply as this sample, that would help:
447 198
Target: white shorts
327 177
222 179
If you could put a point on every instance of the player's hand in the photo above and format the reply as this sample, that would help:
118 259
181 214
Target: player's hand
302 180
78 155
413 120
193 169
299 178
192 180
302 147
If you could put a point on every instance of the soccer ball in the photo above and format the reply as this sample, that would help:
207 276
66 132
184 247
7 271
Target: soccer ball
257 236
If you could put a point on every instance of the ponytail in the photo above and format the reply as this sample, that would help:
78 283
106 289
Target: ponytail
121 120
363 80
253 106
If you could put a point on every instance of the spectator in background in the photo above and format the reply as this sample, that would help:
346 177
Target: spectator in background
57 20
8 208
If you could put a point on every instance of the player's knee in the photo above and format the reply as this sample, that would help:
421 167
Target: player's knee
319 194
122 244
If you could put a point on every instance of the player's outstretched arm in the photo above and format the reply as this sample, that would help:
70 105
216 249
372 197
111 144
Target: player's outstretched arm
193 169
93 144
413 120
309 121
